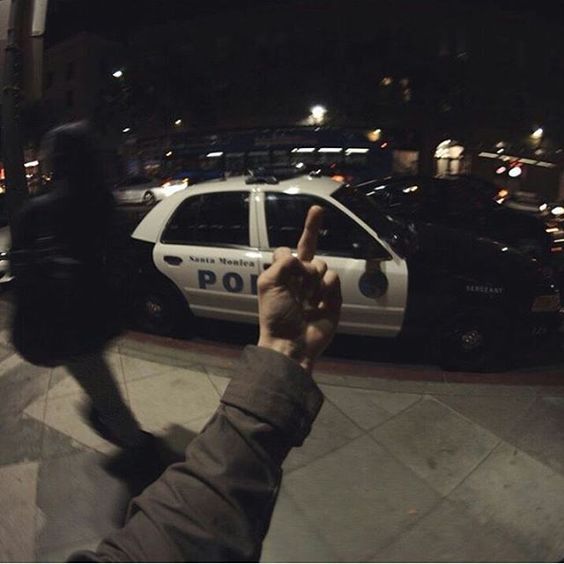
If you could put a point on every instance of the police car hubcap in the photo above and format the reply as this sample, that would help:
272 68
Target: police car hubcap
472 340
153 309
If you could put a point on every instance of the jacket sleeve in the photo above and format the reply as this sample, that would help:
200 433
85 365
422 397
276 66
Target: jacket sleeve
217 505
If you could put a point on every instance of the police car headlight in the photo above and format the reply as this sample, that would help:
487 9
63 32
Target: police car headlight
546 303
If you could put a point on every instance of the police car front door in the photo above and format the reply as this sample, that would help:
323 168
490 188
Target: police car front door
206 250
374 286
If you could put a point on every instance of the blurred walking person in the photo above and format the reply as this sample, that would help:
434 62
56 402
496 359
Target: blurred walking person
66 311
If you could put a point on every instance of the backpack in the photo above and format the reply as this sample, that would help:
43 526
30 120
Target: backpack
63 308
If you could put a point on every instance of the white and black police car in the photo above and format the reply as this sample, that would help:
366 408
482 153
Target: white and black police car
200 252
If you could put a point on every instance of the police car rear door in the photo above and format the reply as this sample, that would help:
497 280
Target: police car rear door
209 250
374 286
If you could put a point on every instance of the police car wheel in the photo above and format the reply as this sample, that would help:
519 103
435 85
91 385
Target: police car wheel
161 312
475 341
149 199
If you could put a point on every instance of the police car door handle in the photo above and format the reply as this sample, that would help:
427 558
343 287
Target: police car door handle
175 261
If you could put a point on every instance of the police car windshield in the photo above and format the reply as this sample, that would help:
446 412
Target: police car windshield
361 205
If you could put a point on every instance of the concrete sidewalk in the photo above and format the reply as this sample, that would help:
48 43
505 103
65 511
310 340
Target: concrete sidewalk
393 470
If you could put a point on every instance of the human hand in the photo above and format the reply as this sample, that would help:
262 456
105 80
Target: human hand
299 299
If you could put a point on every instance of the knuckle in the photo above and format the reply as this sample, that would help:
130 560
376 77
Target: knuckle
263 283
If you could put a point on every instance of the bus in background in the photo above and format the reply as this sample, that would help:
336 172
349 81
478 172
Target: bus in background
347 155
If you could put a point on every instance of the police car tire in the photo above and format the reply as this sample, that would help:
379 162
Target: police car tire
160 310
490 340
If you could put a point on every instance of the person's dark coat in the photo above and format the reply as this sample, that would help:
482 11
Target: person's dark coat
64 306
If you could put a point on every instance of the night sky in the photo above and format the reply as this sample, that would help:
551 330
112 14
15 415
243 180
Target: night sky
113 18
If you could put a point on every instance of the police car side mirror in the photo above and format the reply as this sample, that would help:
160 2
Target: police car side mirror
370 251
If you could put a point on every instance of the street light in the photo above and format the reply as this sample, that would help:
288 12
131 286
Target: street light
178 122
126 130
374 135
318 114
537 133
118 73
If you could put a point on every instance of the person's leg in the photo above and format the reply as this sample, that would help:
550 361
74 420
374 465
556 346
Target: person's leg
94 375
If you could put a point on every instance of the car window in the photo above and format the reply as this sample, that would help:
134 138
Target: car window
464 198
134 181
416 199
285 216
210 220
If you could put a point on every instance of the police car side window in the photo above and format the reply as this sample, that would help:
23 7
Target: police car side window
285 216
210 219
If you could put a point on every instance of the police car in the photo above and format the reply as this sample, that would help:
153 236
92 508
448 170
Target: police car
200 253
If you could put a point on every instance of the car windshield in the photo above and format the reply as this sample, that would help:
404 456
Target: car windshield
366 209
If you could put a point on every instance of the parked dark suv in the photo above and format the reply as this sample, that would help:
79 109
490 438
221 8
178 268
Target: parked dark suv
456 203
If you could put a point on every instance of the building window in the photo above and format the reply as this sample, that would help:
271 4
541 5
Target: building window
70 99
70 70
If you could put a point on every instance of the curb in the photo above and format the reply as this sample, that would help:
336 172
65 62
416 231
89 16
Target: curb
349 373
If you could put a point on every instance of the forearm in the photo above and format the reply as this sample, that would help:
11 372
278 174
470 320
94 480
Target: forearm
217 505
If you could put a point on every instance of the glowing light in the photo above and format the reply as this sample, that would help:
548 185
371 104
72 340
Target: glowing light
318 113
338 178
501 170
353 151
215 154
118 73
31 164
374 135
387 81
537 133
168 154
330 150
178 122
126 130
504 249
543 207
300 165
552 230
384 145
410 189
303 150
503 193
515 172
558 210
500 151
